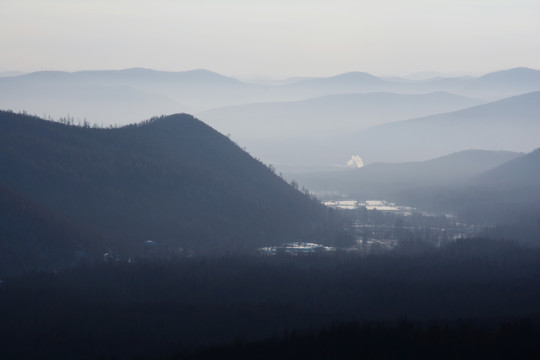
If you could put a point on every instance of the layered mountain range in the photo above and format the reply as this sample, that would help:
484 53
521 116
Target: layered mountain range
299 122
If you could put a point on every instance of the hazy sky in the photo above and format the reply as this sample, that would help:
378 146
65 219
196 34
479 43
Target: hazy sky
274 38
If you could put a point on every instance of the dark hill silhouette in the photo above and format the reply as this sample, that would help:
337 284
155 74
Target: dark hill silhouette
35 238
173 180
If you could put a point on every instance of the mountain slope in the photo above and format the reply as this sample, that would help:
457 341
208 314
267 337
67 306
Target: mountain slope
519 174
520 77
509 124
507 195
173 180
326 116
33 237
492 86
384 180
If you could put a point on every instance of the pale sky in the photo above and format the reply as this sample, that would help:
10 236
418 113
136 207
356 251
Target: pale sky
274 38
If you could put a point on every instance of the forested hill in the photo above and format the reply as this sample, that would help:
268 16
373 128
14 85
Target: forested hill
172 180
33 237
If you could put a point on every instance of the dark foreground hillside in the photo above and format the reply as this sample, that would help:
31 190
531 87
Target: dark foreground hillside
172 180
156 309
33 237
398 340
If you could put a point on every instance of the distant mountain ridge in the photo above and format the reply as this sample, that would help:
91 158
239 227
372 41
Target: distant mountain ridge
489 87
200 90
518 75
49 93
508 124
326 116
320 132
292 123
349 78
132 75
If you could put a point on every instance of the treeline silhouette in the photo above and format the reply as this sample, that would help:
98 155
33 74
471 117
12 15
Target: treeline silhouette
395 340
153 308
